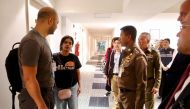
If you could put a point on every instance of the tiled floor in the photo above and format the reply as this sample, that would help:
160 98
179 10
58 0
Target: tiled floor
98 85
98 102
93 92
93 83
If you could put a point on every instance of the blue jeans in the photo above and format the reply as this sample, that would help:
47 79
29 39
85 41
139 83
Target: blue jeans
71 103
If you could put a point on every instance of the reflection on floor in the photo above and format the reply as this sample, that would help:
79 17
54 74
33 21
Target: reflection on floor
98 75
98 85
98 102
93 87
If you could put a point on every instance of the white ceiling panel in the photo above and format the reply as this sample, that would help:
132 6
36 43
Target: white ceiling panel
89 6
104 13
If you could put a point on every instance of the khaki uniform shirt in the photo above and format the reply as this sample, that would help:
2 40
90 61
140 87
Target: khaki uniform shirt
132 75
154 67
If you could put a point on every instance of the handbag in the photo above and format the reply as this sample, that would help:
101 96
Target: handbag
64 94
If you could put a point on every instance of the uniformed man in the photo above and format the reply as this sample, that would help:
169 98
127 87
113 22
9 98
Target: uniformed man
167 55
153 69
132 74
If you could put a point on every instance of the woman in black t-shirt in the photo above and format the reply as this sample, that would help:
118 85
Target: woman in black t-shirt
67 74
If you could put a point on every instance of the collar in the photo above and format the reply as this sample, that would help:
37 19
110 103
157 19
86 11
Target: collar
148 50
33 29
130 49
115 50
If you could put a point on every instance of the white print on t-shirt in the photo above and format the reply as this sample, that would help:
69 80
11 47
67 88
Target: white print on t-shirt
70 65
53 66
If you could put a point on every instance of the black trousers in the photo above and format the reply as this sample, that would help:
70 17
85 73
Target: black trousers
163 80
108 85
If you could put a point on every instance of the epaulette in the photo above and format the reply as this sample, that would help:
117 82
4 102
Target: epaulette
140 53
154 50
126 52
137 50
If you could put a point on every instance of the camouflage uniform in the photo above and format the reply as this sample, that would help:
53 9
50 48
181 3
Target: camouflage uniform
132 79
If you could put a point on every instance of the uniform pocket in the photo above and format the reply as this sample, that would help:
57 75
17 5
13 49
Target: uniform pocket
126 71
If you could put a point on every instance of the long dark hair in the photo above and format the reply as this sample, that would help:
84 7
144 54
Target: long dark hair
63 40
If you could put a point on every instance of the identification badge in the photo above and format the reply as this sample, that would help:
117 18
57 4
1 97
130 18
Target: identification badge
121 70
53 66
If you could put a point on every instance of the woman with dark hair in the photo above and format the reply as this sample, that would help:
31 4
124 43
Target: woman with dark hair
108 51
106 58
67 75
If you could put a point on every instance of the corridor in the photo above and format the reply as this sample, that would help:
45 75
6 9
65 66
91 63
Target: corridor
92 24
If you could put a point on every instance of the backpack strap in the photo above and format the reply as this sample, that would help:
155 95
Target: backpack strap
15 44
13 96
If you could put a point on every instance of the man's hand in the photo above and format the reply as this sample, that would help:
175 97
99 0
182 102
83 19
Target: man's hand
78 91
154 90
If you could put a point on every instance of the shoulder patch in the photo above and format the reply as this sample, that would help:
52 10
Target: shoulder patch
136 51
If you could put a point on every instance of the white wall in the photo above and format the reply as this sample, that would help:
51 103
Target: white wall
80 35
84 46
33 12
66 27
54 40
12 29
165 23
92 45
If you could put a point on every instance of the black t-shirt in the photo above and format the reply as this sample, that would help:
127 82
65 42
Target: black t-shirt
66 67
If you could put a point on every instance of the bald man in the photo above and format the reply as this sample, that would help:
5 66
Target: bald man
179 65
180 62
180 98
35 63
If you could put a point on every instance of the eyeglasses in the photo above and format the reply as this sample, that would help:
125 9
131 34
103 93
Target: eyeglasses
184 26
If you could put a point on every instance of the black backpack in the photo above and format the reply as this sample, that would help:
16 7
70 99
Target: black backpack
13 72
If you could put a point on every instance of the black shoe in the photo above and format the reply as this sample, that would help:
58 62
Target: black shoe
107 93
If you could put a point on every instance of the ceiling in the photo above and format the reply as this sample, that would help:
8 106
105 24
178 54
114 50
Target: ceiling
108 13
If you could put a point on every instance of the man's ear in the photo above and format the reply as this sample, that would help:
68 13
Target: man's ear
148 41
129 38
50 21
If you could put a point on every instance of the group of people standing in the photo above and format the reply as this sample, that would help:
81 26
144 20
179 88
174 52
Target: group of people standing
136 73
130 69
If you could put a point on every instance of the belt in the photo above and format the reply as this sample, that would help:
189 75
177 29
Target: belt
116 74
151 78
124 90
